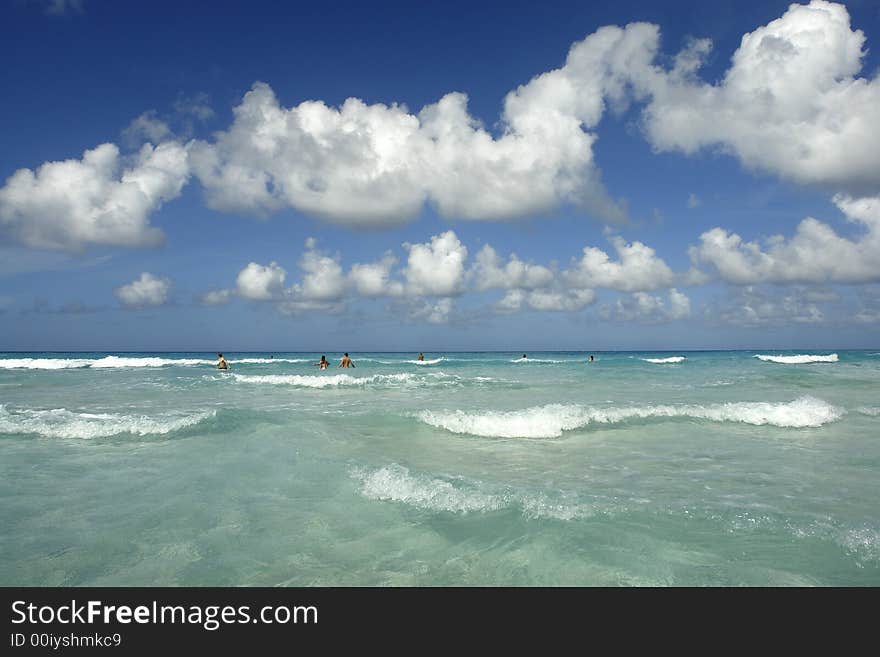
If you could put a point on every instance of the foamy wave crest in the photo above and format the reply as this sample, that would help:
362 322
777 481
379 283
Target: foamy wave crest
873 411
551 420
269 361
433 361
800 359
660 361
43 363
536 360
318 381
62 423
395 483
121 361
106 362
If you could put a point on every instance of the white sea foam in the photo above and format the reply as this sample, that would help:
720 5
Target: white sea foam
43 363
126 361
873 411
106 362
62 423
537 360
122 361
395 483
799 359
863 543
269 361
433 361
660 361
328 381
551 420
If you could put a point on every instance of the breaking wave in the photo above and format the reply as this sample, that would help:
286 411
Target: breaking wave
536 360
119 361
433 361
43 363
671 359
800 359
269 361
62 423
551 420
125 361
395 483
341 380
105 362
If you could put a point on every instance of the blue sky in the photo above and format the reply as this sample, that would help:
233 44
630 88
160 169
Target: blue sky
658 191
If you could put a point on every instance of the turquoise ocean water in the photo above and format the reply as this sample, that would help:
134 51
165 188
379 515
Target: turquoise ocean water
673 468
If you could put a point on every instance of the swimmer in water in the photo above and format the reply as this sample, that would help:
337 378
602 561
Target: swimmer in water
323 363
221 363
346 361
591 358
525 357
421 356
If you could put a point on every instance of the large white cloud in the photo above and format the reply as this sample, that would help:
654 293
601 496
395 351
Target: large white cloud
638 268
378 164
148 290
94 200
815 254
791 102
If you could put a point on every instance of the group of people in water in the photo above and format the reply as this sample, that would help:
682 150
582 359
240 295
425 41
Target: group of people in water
345 362
324 363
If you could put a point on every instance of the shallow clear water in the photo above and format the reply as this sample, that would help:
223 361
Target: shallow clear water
477 469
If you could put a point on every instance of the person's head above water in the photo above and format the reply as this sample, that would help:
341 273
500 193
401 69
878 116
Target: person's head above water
524 356
219 355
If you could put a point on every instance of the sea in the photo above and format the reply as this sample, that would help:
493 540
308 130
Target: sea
711 468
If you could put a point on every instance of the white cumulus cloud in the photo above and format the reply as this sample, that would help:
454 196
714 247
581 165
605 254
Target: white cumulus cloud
644 307
553 300
94 200
261 282
490 272
216 297
791 102
361 164
148 290
434 312
436 267
638 268
814 254
373 279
